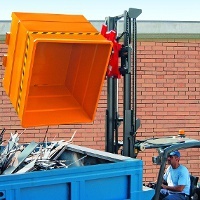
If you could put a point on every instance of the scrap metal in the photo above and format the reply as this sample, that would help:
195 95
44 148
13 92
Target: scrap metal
21 158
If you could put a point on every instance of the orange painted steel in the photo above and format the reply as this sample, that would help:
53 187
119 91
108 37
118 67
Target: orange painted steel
55 68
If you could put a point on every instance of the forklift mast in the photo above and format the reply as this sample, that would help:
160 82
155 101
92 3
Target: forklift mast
127 55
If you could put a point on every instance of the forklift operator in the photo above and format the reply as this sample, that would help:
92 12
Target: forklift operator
176 183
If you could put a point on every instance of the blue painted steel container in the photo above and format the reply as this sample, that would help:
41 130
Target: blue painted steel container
99 176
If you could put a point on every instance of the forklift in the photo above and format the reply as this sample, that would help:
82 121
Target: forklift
130 146
42 100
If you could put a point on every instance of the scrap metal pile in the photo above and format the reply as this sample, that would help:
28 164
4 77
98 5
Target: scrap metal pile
21 158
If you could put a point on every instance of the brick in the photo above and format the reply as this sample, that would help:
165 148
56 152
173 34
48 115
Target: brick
3 46
168 99
170 44
181 49
159 48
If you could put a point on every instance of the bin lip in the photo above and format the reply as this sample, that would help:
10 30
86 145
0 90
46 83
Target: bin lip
28 14
72 41
102 154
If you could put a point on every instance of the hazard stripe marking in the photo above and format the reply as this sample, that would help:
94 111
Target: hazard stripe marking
23 73
63 33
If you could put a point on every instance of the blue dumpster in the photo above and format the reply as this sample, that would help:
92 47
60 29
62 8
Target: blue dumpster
90 175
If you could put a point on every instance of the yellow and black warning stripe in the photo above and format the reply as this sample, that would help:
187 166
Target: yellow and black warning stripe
23 72
64 33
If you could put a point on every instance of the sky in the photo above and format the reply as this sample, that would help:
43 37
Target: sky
170 10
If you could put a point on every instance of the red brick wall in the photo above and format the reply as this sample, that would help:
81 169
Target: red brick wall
168 100
169 94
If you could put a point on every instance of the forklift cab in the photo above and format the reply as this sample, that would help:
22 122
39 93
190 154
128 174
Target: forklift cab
164 146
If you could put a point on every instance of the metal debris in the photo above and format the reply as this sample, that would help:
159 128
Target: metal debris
1 136
21 158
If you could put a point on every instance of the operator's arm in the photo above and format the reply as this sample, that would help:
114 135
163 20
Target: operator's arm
178 188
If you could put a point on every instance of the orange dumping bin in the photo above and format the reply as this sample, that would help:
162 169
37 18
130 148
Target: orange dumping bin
55 68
